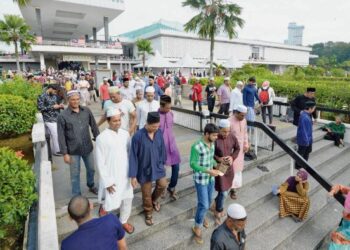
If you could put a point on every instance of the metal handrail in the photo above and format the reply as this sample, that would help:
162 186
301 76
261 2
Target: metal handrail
318 107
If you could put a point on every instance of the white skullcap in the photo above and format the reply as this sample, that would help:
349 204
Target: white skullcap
211 78
138 88
150 89
239 83
112 112
113 90
241 108
227 79
224 123
105 79
72 92
137 78
236 211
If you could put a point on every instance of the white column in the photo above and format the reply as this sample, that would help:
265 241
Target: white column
42 62
108 62
130 67
121 68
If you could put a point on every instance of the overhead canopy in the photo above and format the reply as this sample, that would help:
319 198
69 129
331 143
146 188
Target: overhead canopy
233 63
157 61
188 62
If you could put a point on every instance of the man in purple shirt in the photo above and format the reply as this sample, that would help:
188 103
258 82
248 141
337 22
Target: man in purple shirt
224 96
104 233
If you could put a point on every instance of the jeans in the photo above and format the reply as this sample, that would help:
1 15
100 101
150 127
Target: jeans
204 199
211 103
148 197
220 200
304 151
224 108
75 171
263 113
174 176
334 137
199 105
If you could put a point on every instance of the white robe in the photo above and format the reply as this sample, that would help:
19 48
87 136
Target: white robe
113 166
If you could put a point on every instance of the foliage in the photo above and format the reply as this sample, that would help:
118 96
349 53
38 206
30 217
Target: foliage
20 87
144 47
331 54
219 69
214 17
22 2
13 29
17 191
17 115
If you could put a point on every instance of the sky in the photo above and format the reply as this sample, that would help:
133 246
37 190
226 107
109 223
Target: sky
324 20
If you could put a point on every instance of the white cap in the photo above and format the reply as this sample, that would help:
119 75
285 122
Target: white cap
112 112
150 89
73 92
236 211
113 89
227 79
105 79
224 123
137 78
211 78
241 108
138 88
239 83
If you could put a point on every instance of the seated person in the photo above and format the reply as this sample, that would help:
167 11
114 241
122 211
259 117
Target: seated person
101 233
341 237
294 200
335 132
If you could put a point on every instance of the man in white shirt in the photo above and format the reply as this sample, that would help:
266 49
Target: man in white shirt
145 106
127 91
126 107
236 97
83 86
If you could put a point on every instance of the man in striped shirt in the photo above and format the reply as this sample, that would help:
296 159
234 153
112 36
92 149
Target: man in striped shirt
202 162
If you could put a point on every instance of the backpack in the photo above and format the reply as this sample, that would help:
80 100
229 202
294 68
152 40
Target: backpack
264 96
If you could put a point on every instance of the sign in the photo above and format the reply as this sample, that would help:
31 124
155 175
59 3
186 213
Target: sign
77 58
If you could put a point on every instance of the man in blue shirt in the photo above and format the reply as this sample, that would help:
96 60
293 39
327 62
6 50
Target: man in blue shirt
100 233
158 91
304 133
250 95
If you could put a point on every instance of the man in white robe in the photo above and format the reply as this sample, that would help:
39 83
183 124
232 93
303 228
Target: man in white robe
146 106
112 149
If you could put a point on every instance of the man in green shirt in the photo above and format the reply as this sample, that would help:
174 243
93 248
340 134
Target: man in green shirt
335 132
202 162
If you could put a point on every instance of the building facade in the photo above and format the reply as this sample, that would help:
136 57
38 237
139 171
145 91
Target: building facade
295 34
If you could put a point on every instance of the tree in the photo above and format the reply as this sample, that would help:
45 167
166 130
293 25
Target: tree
214 16
144 47
22 3
13 29
219 69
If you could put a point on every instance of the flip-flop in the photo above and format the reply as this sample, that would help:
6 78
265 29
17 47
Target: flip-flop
233 195
156 206
198 239
205 223
149 220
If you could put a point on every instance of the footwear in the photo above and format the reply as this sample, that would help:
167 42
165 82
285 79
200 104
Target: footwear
156 206
101 211
296 219
218 216
233 194
128 228
163 195
213 207
148 220
197 235
205 223
93 190
173 194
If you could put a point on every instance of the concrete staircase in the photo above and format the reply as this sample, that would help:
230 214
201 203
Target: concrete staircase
172 228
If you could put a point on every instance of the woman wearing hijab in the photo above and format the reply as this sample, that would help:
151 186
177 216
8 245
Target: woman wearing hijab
294 199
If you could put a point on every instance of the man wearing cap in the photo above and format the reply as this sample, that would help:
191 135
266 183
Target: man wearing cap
239 130
231 235
83 86
146 164
145 106
104 95
224 96
226 151
113 169
49 106
126 108
250 95
236 97
75 141
304 132
157 90
211 94
139 96
127 91
298 104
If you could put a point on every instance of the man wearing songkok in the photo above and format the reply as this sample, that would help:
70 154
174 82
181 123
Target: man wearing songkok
126 108
298 104
112 147
226 151
145 106
239 130
173 155
231 235
146 164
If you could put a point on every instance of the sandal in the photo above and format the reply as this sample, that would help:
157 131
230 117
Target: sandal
217 218
205 223
128 228
233 194
101 211
156 206
197 236
149 220
173 194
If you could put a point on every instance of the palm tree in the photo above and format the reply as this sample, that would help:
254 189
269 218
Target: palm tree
22 3
219 69
144 47
13 29
214 16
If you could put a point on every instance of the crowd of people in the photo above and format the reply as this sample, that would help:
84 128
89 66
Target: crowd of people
140 123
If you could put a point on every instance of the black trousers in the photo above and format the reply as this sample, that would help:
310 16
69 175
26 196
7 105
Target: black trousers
304 151
199 106
224 109
211 104
334 137
263 113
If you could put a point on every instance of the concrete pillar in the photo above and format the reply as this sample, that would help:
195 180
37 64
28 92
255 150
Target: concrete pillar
130 69
86 38
121 67
108 62
106 28
94 37
42 62
38 20
24 66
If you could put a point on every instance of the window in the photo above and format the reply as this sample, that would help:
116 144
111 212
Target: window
255 53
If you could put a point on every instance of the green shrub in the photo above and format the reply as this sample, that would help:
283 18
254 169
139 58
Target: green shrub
17 192
20 87
17 115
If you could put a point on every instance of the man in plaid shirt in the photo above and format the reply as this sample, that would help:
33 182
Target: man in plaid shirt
202 162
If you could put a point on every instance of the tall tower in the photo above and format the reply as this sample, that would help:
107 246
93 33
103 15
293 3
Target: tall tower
295 34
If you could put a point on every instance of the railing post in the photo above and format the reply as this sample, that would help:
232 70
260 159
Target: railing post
256 141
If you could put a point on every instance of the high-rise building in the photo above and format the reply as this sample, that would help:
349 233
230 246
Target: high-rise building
295 34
